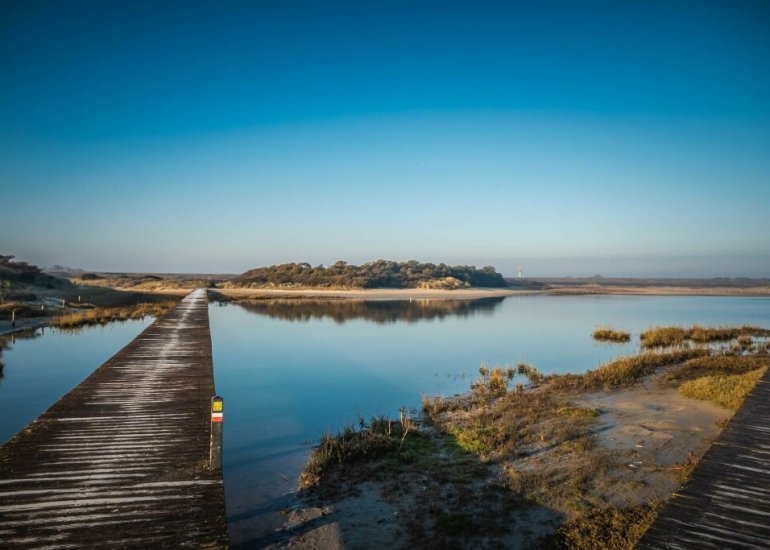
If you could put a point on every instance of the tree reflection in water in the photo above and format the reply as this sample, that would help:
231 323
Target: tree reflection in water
380 312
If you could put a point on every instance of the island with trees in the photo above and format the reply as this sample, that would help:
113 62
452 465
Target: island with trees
377 274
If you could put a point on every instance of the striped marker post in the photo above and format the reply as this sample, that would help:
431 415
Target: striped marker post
217 417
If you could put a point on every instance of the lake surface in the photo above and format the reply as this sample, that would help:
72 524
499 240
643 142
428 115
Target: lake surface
288 371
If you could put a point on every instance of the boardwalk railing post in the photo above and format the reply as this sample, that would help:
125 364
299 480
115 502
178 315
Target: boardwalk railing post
217 417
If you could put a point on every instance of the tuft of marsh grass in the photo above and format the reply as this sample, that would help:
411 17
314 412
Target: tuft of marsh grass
663 337
100 316
607 334
534 376
492 382
677 336
377 438
727 391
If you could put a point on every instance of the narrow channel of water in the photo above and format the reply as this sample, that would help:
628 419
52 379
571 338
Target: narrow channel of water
41 369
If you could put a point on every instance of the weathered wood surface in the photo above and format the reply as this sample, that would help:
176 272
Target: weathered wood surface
726 503
122 460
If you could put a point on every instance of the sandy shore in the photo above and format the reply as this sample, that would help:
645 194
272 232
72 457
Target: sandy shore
648 430
374 294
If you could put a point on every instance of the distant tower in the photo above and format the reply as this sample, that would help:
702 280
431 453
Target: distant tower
521 273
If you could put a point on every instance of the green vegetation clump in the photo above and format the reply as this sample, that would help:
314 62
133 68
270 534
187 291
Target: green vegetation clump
605 334
610 528
727 391
100 316
378 274
378 438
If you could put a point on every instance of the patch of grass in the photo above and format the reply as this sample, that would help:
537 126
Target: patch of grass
714 365
624 371
534 376
492 382
677 336
606 334
369 441
480 438
727 391
610 528
100 316
663 337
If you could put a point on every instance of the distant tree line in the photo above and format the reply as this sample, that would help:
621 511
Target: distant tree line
379 274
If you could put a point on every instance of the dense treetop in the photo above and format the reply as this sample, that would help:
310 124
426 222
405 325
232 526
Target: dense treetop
378 274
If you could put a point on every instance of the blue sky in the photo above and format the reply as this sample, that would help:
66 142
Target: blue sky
569 138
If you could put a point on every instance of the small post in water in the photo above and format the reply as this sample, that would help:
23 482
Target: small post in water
215 449
13 318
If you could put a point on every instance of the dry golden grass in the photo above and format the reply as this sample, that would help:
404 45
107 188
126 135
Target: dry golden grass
727 391
99 316
624 371
606 334
676 336
610 528
716 365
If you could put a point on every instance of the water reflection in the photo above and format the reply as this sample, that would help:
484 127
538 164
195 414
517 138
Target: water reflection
380 312
7 340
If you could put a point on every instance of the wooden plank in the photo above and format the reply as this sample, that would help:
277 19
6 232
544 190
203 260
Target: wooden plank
121 461
726 502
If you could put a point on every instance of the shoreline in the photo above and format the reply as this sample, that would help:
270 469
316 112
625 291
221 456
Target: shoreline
555 460
382 294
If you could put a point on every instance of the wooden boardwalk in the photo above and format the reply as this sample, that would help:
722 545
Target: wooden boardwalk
122 460
726 503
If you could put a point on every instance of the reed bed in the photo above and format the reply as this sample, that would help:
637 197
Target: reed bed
100 316
607 334
678 336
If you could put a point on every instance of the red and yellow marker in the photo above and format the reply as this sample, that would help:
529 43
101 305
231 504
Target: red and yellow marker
217 418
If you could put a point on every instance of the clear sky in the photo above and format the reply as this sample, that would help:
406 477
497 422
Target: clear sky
569 138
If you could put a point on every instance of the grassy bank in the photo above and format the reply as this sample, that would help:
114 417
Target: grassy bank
100 316
524 449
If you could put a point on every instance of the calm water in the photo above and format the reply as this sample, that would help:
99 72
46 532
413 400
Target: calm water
289 371
38 371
